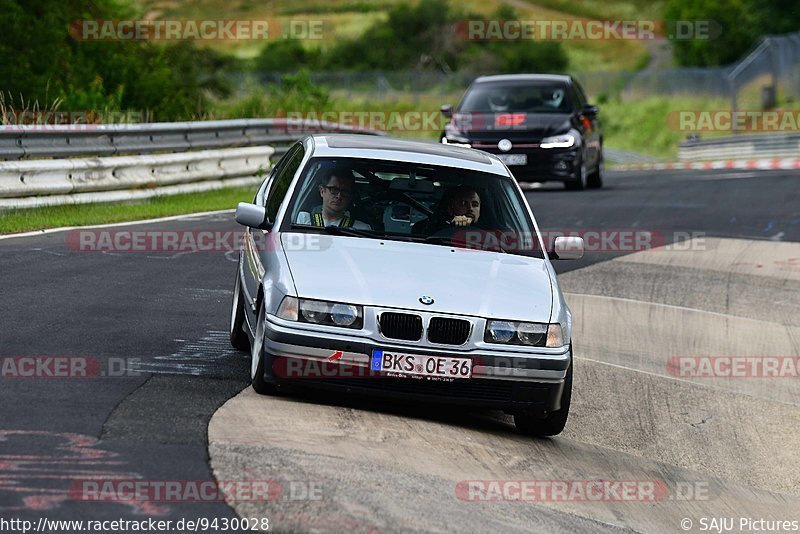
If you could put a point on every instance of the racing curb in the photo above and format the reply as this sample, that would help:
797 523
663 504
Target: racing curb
759 164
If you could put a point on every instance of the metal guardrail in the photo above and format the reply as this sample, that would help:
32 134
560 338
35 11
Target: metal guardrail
97 163
82 175
59 141
742 147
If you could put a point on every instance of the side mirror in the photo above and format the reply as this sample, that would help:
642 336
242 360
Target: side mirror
590 111
252 215
567 248
447 110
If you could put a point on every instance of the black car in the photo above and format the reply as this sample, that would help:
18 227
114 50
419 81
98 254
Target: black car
539 125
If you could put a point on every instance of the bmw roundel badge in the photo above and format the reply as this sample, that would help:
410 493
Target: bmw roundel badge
426 300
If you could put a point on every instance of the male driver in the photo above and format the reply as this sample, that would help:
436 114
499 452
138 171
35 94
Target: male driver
337 194
464 206
459 206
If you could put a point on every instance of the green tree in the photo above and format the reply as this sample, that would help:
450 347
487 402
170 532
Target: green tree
423 35
738 24
42 61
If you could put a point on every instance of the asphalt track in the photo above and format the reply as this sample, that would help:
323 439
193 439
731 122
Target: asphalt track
722 447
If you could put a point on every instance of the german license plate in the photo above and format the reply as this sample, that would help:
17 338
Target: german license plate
513 159
417 365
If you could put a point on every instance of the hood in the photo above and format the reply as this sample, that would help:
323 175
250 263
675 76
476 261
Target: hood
512 126
396 274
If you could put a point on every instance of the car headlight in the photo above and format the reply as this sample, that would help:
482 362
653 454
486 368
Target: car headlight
456 140
453 136
345 314
558 141
499 332
321 312
520 333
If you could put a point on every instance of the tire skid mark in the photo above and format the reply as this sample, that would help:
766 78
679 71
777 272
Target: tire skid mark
67 458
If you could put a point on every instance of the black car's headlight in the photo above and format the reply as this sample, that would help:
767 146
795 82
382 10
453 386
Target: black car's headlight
520 333
321 312
558 141
454 136
456 140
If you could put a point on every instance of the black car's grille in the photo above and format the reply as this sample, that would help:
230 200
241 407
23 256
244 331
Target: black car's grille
448 331
401 326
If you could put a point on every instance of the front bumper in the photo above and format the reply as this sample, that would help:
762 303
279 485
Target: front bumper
544 164
508 380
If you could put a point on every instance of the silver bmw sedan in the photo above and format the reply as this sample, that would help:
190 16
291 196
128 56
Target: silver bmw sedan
405 270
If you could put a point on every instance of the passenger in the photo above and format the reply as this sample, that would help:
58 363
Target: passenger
337 195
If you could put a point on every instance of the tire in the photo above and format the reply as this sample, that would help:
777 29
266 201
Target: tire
579 184
551 425
595 180
239 339
258 358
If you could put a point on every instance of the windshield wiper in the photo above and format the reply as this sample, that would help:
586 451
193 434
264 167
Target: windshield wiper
442 240
339 230
462 243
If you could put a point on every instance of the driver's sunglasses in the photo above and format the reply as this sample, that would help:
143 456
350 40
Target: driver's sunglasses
336 191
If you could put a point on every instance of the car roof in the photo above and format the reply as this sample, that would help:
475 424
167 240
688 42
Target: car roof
524 78
392 149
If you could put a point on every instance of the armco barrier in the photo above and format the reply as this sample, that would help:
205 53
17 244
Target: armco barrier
44 141
96 163
742 147
67 176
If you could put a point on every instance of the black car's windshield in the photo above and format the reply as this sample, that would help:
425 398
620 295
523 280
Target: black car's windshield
381 199
528 97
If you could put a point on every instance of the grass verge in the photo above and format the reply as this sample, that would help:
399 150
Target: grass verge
24 220
647 126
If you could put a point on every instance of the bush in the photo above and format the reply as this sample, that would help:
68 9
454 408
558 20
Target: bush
287 56
294 93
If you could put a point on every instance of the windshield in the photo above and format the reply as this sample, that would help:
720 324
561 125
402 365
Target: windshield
530 97
378 199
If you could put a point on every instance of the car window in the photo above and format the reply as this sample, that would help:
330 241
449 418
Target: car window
529 97
283 179
413 202
580 97
261 194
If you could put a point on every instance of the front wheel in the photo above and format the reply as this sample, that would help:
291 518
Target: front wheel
258 358
595 180
580 181
239 339
554 422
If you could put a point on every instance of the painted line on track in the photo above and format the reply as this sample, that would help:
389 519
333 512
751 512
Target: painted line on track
111 225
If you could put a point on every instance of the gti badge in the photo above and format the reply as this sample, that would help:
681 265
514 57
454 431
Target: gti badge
426 300
504 145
